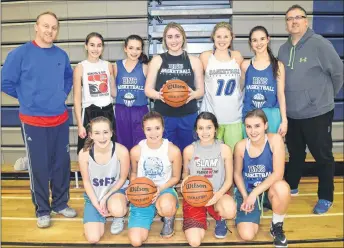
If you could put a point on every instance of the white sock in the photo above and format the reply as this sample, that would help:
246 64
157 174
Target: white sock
277 218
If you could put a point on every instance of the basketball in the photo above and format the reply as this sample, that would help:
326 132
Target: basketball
141 191
197 191
103 87
175 92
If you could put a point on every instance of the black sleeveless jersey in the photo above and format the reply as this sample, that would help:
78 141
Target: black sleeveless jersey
175 67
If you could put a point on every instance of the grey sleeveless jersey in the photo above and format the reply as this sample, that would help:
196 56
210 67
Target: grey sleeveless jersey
103 177
208 162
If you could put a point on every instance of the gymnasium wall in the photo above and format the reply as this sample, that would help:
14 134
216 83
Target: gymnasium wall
115 20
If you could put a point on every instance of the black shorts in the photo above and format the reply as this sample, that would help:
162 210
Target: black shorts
94 111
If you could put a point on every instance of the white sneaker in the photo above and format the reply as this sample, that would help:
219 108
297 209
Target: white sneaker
21 164
117 225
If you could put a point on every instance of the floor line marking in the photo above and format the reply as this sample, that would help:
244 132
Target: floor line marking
81 198
179 218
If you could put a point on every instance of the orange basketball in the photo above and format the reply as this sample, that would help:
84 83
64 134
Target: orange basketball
175 92
141 191
197 191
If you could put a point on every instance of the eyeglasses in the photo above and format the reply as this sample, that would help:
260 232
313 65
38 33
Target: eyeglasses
297 18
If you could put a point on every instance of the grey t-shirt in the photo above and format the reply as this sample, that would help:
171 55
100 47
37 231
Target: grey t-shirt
207 161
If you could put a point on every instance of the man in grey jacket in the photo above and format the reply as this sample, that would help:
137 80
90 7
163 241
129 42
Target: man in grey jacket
314 75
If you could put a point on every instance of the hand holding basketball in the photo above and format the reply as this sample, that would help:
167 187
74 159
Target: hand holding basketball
141 191
197 191
175 92
156 195
192 95
216 197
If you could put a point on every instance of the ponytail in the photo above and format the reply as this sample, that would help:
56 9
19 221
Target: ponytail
143 58
88 142
274 63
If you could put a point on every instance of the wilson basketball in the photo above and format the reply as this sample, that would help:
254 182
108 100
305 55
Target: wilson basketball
175 92
141 191
197 191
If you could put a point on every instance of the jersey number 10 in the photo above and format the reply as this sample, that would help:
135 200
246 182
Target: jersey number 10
225 88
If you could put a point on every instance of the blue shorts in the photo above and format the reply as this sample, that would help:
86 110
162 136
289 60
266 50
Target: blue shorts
180 130
254 216
91 214
274 120
143 217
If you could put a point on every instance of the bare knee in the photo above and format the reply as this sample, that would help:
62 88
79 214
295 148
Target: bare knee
135 240
280 189
194 242
247 235
166 207
226 208
92 238
118 211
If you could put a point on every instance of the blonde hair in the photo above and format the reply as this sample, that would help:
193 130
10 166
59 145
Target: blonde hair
175 26
223 25
48 13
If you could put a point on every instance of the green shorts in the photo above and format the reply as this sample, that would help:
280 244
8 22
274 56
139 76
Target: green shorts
230 133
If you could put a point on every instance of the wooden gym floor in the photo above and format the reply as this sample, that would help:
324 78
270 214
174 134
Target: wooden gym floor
303 229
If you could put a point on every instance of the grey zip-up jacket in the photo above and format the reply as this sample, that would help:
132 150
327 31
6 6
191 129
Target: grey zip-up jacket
314 75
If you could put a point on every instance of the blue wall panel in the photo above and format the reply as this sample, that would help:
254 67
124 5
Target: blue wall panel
338 45
340 95
10 117
328 25
339 111
334 6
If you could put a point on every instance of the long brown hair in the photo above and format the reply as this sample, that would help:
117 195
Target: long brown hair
257 113
152 115
89 141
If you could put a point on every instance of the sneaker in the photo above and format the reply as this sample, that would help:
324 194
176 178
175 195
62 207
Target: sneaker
67 212
21 164
322 206
276 231
43 221
294 192
221 229
117 225
167 230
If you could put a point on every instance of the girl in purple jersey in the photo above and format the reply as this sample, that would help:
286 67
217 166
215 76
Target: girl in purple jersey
131 101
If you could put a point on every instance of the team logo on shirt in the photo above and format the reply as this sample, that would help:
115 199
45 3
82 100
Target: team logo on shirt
206 167
153 168
98 83
175 69
258 100
129 99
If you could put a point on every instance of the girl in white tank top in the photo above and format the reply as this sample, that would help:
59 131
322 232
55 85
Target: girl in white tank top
159 160
223 95
93 87
104 166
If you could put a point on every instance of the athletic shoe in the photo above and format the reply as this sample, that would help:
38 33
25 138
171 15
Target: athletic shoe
43 221
67 212
322 206
221 229
276 231
167 230
294 192
117 225
21 164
